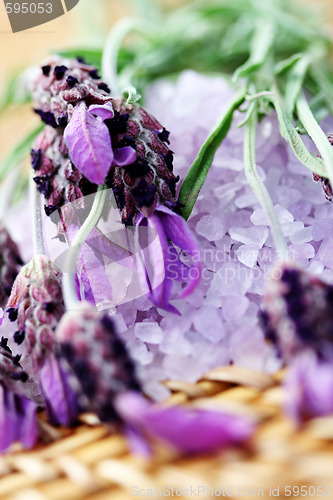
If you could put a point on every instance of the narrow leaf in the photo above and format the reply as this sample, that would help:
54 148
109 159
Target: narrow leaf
317 134
294 83
261 44
289 133
89 144
285 65
199 169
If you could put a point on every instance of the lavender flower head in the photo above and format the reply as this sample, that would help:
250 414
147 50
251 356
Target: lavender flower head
10 262
109 141
298 311
95 360
36 305
298 319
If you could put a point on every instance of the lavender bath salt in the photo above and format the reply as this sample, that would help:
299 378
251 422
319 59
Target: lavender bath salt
219 322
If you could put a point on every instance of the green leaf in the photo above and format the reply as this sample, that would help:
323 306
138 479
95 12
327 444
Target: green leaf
261 45
317 134
19 152
285 65
199 169
91 56
294 83
289 133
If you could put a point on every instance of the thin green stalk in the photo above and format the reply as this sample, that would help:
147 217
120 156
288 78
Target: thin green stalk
68 280
258 186
37 223
316 133
111 50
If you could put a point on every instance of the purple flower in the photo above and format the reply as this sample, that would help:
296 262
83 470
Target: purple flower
297 311
309 386
190 430
10 262
95 361
36 305
159 257
61 400
17 420
89 142
17 413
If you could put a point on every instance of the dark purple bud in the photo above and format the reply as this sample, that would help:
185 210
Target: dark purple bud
3 344
144 193
59 72
117 124
94 74
104 87
62 121
36 158
71 81
47 117
164 135
12 314
46 70
19 336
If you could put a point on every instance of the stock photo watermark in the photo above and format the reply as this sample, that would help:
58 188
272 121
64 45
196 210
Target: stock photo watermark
23 15
206 492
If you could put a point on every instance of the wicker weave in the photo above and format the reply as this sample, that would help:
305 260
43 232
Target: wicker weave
88 462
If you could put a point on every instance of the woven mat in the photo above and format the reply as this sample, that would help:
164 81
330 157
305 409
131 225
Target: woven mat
88 462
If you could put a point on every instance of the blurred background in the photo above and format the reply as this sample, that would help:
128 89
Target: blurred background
86 26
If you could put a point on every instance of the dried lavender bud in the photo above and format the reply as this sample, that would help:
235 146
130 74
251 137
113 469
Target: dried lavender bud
148 181
36 289
61 84
134 160
95 360
10 262
298 312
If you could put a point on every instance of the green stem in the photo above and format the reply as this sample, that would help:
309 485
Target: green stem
316 133
112 46
37 223
258 186
68 281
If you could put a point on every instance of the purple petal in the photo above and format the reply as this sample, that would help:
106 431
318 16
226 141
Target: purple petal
8 419
309 387
89 144
28 429
191 430
117 253
60 399
177 231
96 284
124 156
154 253
104 111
